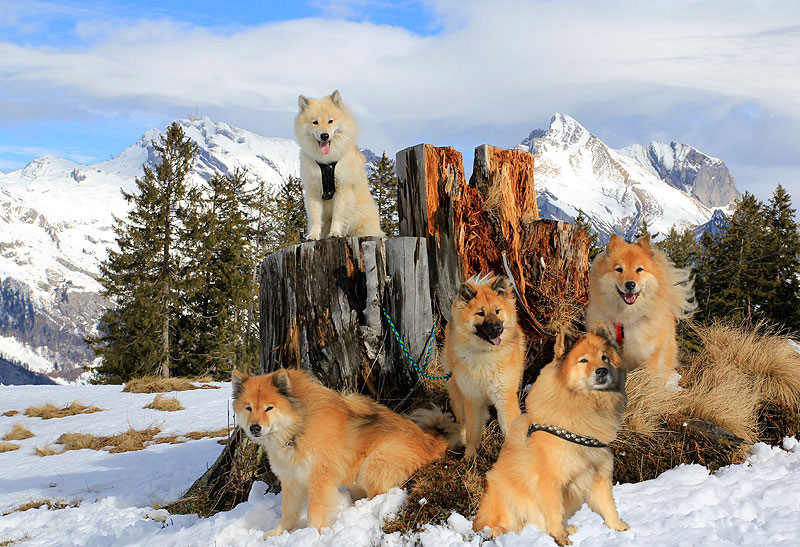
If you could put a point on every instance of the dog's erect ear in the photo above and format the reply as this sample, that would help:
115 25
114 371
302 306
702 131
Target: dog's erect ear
605 333
500 285
466 292
280 379
302 102
564 342
614 241
336 97
237 381
644 242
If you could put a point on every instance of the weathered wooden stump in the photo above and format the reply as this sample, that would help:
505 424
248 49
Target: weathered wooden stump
321 310
429 183
492 224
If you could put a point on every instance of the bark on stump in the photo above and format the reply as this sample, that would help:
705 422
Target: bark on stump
321 311
429 181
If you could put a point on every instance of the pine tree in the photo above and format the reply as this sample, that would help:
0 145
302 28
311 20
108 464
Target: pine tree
583 222
733 274
644 230
383 181
681 247
287 215
135 336
783 306
216 277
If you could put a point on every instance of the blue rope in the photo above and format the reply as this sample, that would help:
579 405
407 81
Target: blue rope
428 346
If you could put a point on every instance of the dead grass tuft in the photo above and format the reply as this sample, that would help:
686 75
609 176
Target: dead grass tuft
10 413
37 504
167 404
158 384
449 484
8 447
129 441
49 410
47 450
18 433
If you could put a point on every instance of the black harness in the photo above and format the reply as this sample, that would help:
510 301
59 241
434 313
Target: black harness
567 435
328 182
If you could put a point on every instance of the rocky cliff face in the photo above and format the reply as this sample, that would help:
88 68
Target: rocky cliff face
686 168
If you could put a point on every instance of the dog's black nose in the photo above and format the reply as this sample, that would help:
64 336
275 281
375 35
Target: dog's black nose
601 373
255 429
324 137
495 329
630 286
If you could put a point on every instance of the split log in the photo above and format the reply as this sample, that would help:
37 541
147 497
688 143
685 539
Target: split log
429 181
492 224
321 310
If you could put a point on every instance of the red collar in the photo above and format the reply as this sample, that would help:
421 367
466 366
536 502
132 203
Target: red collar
620 334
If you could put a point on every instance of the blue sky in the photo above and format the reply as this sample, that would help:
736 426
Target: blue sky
83 80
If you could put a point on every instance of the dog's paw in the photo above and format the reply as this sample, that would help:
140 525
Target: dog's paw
619 526
278 530
313 237
562 540
571 529
336 233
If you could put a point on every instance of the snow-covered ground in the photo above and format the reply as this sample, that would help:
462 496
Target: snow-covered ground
755 503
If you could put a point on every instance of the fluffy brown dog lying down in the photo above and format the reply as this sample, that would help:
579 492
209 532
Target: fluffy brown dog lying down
542 477
318 440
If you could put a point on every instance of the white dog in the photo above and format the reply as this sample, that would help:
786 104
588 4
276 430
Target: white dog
337 198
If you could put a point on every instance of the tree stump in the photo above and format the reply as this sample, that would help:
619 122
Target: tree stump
429 182
321 310
492 224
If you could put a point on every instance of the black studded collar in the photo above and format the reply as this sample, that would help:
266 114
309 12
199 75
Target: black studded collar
567 435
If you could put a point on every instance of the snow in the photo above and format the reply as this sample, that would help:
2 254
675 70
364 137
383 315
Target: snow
754 503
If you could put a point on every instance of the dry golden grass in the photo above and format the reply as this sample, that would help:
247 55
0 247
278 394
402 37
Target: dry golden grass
10 413
8 447
18 433
193 435
129 441
158 384
49 410
36 504
167 404
48 450
649 401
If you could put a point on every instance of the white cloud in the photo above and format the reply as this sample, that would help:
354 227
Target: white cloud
495 64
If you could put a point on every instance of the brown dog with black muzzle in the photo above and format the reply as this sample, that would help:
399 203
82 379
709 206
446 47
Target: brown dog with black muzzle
555 456
484 349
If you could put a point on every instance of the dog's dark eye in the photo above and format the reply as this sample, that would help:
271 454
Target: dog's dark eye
619 269
639 269
481 313
248 409
315 122
497 311
584 360
605 358
267 409
330 121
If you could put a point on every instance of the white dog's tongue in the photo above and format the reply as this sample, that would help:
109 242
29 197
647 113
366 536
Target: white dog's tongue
496 341
325 147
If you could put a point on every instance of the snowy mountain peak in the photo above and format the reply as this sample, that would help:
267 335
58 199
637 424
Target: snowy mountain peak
664 185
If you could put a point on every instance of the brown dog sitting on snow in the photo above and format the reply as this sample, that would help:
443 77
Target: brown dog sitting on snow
555 456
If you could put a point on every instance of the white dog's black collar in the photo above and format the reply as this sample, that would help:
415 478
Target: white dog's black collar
328 182
567 435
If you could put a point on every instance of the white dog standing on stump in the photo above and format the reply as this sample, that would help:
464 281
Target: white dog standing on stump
337 198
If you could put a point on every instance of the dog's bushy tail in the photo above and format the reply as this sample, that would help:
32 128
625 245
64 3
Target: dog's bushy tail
434 420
